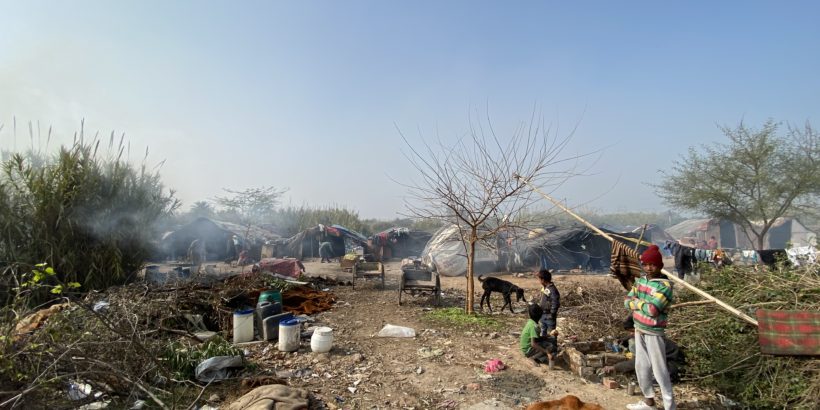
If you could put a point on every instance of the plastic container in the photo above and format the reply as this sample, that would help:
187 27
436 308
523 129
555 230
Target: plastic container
270 296
289 335
270 326
265 310
243 326
322 340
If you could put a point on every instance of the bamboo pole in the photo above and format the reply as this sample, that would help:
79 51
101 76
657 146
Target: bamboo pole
669 275
640 239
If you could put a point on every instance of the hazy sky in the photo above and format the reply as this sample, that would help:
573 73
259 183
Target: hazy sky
307 95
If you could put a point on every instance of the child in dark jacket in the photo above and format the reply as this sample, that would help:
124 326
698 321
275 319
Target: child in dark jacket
550 302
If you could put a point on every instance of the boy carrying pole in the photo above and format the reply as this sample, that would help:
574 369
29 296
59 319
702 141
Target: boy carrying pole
648 301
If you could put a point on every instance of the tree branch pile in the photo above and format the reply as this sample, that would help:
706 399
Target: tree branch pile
723 352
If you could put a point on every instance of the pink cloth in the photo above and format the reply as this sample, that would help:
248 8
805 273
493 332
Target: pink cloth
494 365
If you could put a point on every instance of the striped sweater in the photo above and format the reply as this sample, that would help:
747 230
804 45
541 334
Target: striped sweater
648 300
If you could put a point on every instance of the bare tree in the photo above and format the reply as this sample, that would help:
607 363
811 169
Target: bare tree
470 183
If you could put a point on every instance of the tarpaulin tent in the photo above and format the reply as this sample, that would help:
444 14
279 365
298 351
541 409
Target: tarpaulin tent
565 248
218 238
305 244
398 242
784 232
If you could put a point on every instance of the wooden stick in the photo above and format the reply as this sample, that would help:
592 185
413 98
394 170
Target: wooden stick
640 239
695 303
674 278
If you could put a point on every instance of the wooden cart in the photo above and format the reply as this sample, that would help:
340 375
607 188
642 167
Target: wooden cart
419 279
368 270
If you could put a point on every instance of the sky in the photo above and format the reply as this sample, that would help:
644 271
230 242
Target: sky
314 96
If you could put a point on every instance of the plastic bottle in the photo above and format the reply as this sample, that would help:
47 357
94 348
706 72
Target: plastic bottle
243 326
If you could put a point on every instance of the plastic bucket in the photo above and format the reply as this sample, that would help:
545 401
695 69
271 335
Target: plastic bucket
322 340
270 296
270 325
289 335
243 326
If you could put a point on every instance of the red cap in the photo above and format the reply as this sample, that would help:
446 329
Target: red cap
652 255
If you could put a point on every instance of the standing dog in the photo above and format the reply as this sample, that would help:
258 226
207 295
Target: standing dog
492 284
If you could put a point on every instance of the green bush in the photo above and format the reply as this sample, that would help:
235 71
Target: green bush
88 216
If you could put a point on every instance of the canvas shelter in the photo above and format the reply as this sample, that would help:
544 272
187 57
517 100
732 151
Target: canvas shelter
398 242
559 248
565 248
218 238
305 244
784 233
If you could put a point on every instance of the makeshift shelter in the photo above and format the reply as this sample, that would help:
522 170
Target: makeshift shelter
783 233
305 244
447 253
565 248
559 248
398 242
218 238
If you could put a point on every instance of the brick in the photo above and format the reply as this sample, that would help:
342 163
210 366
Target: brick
610 383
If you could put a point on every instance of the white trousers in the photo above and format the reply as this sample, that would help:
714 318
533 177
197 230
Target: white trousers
650 360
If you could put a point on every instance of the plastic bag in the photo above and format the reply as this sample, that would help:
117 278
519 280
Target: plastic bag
396 331
216 368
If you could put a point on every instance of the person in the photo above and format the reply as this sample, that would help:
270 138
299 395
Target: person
675 359
550 302
533 346
325 251
648 301
712 243
196 254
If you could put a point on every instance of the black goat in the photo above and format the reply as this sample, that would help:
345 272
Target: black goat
492 284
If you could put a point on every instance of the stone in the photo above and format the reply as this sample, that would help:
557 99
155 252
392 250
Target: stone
474 386
214 398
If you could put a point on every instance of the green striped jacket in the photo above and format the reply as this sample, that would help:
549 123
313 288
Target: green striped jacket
648 300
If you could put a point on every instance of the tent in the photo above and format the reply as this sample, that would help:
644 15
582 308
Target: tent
305 244
398 242
565 248
783 233
559 248
218 237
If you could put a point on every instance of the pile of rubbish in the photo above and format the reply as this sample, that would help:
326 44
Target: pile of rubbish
147 343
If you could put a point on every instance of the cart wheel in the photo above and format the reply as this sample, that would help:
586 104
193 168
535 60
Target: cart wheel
401 287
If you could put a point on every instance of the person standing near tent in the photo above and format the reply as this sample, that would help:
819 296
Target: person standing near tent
196 254
649 301
550 302
325 250
712 243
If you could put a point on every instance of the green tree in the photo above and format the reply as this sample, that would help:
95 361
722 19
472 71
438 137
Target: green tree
756 177
201 209
252 206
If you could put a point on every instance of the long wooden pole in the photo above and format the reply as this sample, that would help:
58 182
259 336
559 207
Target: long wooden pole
669 275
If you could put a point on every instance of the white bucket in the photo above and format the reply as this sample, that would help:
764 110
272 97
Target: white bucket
242 326
289 335
322 340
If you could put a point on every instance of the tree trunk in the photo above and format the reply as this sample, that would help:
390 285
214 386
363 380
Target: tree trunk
470 269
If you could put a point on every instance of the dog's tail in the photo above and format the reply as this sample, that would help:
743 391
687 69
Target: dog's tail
479 278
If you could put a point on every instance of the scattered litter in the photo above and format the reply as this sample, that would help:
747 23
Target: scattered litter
396 331
429 353
138 405
78 390
216 368
494 365
419 370
351 389
100 306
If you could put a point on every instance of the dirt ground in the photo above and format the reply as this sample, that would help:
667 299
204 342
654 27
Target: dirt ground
441 367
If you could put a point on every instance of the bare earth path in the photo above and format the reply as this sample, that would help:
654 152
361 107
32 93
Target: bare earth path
439 368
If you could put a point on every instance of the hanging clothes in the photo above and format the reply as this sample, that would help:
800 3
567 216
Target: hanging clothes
684 258
624 264
770 256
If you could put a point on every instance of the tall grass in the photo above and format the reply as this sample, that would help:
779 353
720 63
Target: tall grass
90 215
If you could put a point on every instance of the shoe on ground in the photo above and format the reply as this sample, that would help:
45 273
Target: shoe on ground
641 405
